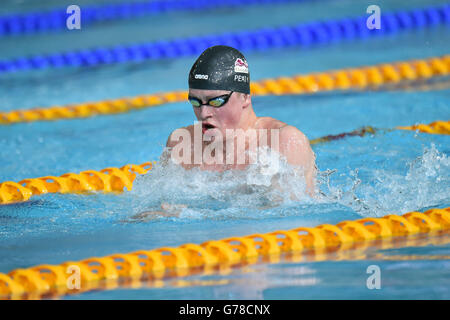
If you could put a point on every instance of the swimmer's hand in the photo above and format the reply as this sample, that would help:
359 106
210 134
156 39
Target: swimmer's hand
167 210
173 210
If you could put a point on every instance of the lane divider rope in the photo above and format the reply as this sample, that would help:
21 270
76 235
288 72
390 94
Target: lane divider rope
359 78
55 19
106 180
436 127
304 35
163 262
367 250
118 179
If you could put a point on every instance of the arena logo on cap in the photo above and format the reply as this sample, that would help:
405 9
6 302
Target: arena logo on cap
201 76
240 65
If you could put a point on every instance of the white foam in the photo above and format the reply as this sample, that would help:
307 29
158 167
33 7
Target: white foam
425 184
250 192
249 188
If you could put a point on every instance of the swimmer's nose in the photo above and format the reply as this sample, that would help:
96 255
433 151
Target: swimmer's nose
205 112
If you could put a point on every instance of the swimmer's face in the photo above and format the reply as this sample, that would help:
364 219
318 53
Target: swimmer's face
228 116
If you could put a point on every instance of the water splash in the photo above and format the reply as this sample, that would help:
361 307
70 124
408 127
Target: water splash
250 193
209 193
382 192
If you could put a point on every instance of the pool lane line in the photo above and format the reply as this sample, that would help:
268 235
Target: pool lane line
436 127
303 35
354 252
118 179
46 280
357 252
107 180
55 19
333 137
358 78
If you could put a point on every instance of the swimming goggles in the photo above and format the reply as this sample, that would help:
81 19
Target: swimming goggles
216 102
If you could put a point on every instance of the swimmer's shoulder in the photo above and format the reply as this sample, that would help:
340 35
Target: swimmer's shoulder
287 132
270 123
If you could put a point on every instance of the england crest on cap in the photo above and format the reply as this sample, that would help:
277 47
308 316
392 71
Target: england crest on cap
240 65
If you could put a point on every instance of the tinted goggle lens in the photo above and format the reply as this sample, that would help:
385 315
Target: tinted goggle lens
213 102
195 103
217 102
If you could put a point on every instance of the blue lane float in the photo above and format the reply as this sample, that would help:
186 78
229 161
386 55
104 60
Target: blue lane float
53 20
303 35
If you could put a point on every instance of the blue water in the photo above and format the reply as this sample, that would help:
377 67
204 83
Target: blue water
391 172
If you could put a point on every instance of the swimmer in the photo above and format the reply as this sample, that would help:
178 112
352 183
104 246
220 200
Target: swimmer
219 92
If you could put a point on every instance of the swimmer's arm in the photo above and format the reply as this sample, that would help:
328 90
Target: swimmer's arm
165 155
295 146
167 210
174 138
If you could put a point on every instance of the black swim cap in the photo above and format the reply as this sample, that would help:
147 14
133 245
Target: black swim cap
220 68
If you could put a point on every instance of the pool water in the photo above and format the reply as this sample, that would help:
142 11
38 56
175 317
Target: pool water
390 172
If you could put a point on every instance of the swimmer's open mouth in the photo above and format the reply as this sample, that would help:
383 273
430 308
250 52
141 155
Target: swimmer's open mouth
207 126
